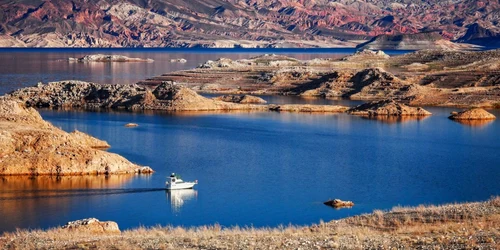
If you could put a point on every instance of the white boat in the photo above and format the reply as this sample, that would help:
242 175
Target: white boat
175 182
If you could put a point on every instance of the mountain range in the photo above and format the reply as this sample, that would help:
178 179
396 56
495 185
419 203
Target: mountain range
240 23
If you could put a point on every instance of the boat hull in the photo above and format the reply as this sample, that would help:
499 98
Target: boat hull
185 185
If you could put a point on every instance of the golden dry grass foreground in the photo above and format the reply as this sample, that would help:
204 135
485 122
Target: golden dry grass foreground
458 226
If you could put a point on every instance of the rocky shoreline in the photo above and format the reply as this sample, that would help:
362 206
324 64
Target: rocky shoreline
454 226
31 146
170 96
423 78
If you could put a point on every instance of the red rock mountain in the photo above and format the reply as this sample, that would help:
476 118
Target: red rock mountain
226 23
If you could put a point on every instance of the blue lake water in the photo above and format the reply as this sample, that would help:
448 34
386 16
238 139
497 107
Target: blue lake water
260 168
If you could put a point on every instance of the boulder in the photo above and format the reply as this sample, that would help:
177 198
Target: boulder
92 225
387 108
131 125
178 60
337 203
144 170
245 99
473 114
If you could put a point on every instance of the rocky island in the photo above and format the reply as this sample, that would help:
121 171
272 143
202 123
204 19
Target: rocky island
472 114
108 58
387 108
31 146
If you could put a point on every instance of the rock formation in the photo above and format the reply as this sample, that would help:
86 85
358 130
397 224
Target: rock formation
473 114
76 94
337 203
370 83
131 125
31 146
108 58
308 108
178 60
243 99
387 108
167 96
366 54
92 225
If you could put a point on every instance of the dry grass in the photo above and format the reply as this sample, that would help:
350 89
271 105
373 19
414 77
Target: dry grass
468 225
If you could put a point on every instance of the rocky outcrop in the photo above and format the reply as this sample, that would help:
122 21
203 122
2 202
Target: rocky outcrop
473 114
370 83
244 99
108 58
76 94
167 96
366 54
178 60
387 108
92 225
31 146
131 125
418 41
337 203
308 108
89 140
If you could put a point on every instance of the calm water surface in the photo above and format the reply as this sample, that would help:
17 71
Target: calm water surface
261 169
258 169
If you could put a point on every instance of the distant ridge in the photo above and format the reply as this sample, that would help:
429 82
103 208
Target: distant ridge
419 41
476 34
233 23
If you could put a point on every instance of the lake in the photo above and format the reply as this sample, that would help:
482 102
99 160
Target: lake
254 168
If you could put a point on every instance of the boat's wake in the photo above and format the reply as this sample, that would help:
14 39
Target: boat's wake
40 194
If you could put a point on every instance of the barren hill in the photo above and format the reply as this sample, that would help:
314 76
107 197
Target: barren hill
230 23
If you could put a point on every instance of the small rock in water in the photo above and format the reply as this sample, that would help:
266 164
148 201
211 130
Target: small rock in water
337 203
144 170
131 125
179 60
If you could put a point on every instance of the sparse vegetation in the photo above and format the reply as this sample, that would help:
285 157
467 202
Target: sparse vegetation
457 226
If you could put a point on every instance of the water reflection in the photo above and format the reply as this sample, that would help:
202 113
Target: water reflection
395 119
475 123
178 197
28 201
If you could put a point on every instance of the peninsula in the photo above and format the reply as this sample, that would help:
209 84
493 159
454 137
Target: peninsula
31 146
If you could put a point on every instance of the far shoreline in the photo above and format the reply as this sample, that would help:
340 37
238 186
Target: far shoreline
348 50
